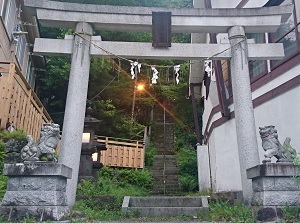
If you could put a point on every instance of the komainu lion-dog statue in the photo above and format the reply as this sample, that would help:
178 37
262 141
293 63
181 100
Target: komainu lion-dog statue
45 146
272 146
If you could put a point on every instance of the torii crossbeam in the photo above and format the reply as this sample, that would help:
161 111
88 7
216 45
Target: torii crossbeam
86 18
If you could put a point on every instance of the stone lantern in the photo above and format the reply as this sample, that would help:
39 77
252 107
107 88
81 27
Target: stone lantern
89 147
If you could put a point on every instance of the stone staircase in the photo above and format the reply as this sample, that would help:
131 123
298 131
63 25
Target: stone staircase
165 175
164 169
163 201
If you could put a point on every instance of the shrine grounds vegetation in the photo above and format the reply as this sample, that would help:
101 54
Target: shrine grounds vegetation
102 198
4 136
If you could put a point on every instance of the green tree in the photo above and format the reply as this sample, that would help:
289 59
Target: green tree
110 85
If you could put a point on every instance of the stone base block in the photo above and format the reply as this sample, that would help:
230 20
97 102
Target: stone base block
274 198
36 189
34 198
275 184
36 183
44 213
38 168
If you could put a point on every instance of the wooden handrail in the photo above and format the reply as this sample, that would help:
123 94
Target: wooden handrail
119 141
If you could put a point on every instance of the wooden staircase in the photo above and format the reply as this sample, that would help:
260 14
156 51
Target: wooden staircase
164 169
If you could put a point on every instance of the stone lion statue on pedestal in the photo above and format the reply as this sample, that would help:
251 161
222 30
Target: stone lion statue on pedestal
45 146
272 146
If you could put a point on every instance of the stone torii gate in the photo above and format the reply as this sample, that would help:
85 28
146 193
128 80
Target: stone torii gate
87 18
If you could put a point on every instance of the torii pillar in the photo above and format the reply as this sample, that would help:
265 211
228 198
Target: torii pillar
243 107
75 107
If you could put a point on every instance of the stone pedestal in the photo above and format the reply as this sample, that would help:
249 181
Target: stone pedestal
88 168
86 163
274 187
36 189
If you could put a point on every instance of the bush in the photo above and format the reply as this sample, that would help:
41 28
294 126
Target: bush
188 169
291 214
18 134
116 183
141 178
222 211
4 136
2 155
3 184
187 160
150 151
188 183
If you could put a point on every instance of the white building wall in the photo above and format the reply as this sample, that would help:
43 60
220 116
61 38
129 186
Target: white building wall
282 112
228 177
234 3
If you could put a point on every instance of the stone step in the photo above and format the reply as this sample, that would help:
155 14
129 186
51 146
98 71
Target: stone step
166 177
174 188
167 161
166 172
167 211
167 157
165 205
160 164
168 184
162 201
161 168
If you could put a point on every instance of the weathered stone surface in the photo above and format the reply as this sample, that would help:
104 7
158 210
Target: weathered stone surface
70 146
37 169
86 164
45 146
273 169
276 198
275 184
270 213
34 198
52 213
266 214
243 108
36 189
37 183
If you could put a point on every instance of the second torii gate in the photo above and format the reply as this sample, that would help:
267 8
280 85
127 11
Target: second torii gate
86 18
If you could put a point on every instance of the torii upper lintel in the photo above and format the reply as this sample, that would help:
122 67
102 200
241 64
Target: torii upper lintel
139 19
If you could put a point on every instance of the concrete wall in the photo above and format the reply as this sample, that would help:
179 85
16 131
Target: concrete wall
203 168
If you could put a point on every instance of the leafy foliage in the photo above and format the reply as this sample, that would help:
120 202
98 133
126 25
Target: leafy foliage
188 170
108 81
116 183
141 178
18 134
4 136
222 211
188 183
291 214
150 151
